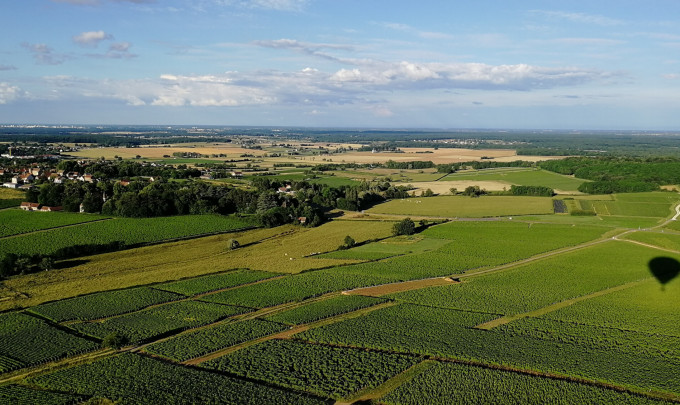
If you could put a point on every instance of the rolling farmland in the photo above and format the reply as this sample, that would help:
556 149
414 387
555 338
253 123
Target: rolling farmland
547 306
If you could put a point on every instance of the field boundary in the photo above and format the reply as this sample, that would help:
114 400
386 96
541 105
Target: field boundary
556 306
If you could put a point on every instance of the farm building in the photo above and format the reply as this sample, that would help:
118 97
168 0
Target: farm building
29 206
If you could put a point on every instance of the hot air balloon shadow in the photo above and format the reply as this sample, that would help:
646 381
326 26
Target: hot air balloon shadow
664 269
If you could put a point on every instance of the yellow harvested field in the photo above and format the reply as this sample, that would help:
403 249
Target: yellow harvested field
439 156
156 152
444 187
280 249
9 194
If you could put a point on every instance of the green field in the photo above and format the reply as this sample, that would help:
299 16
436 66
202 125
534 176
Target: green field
129 231
562 277
328 371
521 177
14 222
203 341
26 340
540 308
214 282
103 304
11 198
466 207
324 309
120 379
448 383
157 321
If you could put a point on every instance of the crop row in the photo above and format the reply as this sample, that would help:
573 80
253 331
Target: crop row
324 309
293 288
13 222
100 305
598 337
563 277
156 321
214 282
328 371
196 344
134 379
129 231
460 206
29 341
19 395
432 331
648 307
449 383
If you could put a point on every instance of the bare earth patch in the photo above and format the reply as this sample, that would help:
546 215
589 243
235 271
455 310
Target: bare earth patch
444 187
380 290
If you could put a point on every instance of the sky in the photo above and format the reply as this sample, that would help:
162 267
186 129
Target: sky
539 64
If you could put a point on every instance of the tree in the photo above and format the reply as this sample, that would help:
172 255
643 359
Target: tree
473 191
349 242
47 263
115 340
404 227
233 244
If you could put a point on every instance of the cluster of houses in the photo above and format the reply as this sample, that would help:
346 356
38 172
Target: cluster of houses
24 178
207 175
29 206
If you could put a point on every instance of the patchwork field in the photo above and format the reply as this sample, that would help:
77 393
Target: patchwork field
518 176
540 308
466 207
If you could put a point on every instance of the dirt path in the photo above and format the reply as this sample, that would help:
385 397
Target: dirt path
384 289
554 307
54 366
388 386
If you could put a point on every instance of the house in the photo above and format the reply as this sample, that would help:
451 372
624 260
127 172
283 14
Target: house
26 177
35 171
206 176
45 208
86 178
29 206
302 220
11 185
72 175
237 174
26 187
286 190
124 183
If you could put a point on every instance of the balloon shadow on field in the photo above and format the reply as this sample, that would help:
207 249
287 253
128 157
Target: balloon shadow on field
664 269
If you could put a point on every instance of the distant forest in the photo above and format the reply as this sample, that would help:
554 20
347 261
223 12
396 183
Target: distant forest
557 143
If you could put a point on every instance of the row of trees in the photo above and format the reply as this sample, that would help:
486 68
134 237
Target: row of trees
539 191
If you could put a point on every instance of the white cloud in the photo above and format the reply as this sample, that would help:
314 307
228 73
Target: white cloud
91 38
480 76
207 91
282 5
371 85
44 54
97 2
414 31
277 5
8 92
582 18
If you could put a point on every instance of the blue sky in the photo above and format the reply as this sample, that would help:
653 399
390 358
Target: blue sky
428 64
